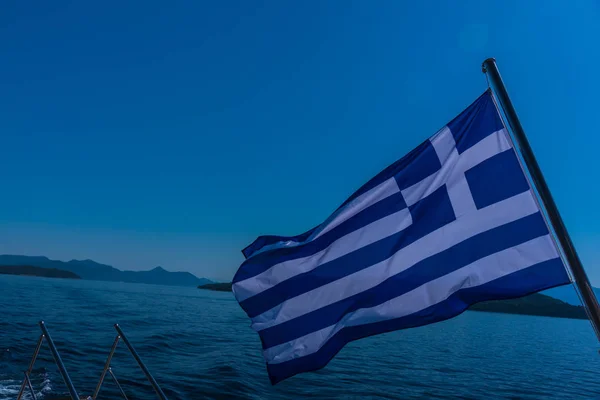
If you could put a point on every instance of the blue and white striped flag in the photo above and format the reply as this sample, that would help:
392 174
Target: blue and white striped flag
452 223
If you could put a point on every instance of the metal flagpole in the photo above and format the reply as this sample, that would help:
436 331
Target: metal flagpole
581 279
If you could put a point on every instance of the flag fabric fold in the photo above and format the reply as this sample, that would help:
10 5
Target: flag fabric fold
451 224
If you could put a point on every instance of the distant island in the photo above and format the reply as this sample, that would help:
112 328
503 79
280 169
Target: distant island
29 270
218 287
91 270
534 304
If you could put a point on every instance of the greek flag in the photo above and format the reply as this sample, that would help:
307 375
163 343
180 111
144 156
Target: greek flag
452 223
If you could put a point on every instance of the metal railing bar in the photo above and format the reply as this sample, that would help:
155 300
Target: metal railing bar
149 376
117 383
31 363
33 396
106 367
59 363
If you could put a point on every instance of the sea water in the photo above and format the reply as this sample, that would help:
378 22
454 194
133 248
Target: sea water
198 344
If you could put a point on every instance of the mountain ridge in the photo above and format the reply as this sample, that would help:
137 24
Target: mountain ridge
92 270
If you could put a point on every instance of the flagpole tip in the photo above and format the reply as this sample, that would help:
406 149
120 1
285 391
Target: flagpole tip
485 62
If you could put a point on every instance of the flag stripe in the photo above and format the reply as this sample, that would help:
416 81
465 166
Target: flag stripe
262 262
278 273
418 241
433 292
326 306
362 202
520 283
380 192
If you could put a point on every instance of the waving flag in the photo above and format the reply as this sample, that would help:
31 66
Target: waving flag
452 223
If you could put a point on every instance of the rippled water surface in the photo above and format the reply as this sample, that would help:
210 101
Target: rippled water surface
198 344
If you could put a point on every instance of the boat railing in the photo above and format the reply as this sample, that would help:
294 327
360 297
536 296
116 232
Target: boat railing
45 336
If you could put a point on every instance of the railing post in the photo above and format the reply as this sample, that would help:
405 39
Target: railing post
59 363
153 382
31 363
117 383
33 396
106 367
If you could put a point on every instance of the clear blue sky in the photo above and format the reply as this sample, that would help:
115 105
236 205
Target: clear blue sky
174 133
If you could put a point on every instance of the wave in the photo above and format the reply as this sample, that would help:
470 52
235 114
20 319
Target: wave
9 388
